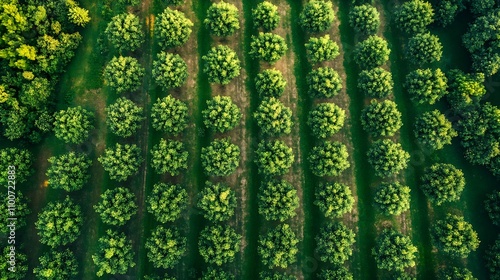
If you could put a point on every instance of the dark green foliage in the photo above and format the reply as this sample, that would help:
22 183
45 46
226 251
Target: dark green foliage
7 210
270 83
392 198
216 274
276 276
56 265
268 47
457 273
339 272
124 117
273 117
124 32
219 244
329 159
326 119
274 157
117 206
334 199
123 74
114 255
221 114
172 28
394 251
334 243
424 48
447 10
35 93
278 248
59 223
265 16
465 89
170 70
492 206
221 158
122 161
69 171
217 202
222 19
73 124
372 52
221 65
493 260
319 49
165 247
166 202
21 159
480 7
169 115
376 82
21 265
486 61
426 86
433 130
381 118
454 236
387 158
317 16
174 3
324 82
364 19
442 182
169 157
414 16
278 200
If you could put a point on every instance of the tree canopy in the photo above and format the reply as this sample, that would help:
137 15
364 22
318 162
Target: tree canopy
21 211
219 244
222 19
334 243
326 119
170 70
165 247
387 158
381 118
265 15
317 16
394 251
334 199
277 200
442 182
492 206
319 49
434 130
124 117
121 161
324 82
392 198
278 247
169 115
220 158
166 202
270 83
169 156
414 16
217 202
172 28
372 52
221 65
56 265
339 272
268 47
221 114
329 159
376 82
124 32
73 124
216 274
493 260
20 159
273 157
114 254
424 48
273 117
426 86
117 206
364 19
454 236
457 273
123 74
21 265
68 171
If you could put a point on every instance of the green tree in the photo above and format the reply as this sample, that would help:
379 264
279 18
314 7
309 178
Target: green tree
169 115
59 223
9 208
334 199
172 28
165 247
170 70
426 86
265 15
124 117
326 119
324 82
216 274
21 265
433 130
35 93
273 117
123 74
392 198
317 16
124 32
117 206
454 236
424 48
278 247
339 272
268 47
457 273
219 244
69 171
493 260
465 89
265 275
166 202
319 49
174 2
222 19
492 206
372 52
394 251
334 243
169 157
273 157
387 158
220 158
20 160
217 202
122 161
221 65
57 265
114 255
414 16
270 83
364 19
73 124
381 118
79 16
221 114
376 82
442 182
278 200
329 159
480 7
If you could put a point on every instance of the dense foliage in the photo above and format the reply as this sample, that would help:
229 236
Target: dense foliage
122 161
219 244
20 209
170 70
454 236
319 49
124 32
387 158
265 15
21 265
278 248
68 171
392 198
270 83
73 124
165 247
221 114
329 159
172 28
124 117
334 243
326 119
324 82
364 19
169 115
21 159
217 202
492 206
277 200
394 251
434 130
216 274
56 265
169 156
166 202
268 47
220 158
334 199
339 272
376 82
493 260
442 182
273 157
381 118
59 223
414 16
457 273
372 52
222 19
114 255
117 206
426 86
273 117
123 74
424 48
221 65
317 16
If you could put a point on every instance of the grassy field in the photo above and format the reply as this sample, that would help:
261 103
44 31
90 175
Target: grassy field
81 85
